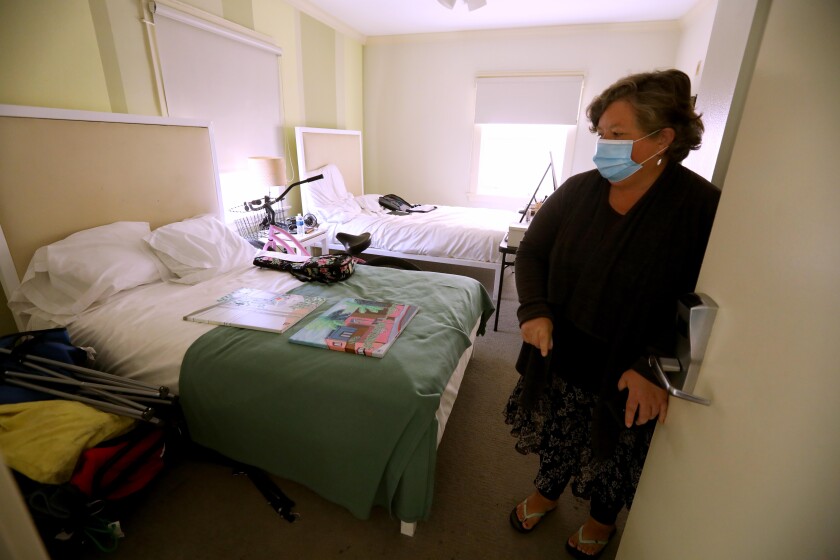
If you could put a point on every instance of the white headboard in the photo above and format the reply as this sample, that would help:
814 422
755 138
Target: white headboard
65 171
317 147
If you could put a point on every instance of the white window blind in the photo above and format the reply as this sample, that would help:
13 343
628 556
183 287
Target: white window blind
214 72
528 100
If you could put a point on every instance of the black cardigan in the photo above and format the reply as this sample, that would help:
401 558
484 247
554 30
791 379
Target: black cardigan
610 283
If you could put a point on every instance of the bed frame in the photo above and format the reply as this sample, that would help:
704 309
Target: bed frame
317 147
63 171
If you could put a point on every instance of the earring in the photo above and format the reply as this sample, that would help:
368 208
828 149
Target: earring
661 157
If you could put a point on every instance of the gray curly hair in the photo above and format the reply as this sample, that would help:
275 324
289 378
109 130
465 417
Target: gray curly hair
661 99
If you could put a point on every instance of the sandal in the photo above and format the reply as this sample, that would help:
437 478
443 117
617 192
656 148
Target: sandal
581 555
518 525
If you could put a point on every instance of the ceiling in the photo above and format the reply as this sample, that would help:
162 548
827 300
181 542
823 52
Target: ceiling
398 17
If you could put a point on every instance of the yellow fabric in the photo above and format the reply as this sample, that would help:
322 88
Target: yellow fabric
44 439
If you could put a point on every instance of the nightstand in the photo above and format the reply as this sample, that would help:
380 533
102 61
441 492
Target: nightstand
316 237
505 250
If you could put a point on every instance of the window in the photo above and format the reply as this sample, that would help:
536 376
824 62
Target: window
513 158
522 124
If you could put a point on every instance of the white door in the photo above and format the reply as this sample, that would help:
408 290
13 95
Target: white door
757 474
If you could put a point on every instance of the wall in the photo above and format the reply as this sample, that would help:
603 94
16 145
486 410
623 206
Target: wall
721 93
319 82
351 113
696 28
49 56
77 54
755 475
419 92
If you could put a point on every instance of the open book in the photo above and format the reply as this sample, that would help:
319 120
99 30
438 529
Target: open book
249 308
358 326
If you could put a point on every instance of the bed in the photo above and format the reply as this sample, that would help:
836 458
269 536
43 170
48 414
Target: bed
454 235
360 431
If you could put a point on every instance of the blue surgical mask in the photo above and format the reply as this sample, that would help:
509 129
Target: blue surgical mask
612 158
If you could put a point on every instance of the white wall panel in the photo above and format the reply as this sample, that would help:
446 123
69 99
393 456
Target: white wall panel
232 79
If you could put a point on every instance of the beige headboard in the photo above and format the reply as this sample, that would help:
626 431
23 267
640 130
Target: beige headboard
65 171
316 147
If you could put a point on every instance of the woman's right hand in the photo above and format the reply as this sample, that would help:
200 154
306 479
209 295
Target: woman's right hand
537 332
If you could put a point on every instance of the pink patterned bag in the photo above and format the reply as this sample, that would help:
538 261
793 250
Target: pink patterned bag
325 269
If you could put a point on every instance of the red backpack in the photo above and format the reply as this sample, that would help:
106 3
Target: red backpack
121 466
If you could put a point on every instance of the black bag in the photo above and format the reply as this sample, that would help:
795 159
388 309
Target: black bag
84 513
325 269
53 344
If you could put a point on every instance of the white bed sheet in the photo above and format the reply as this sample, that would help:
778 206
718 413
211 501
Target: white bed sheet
140 333
451 232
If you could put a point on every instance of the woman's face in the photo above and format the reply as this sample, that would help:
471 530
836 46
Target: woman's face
618 122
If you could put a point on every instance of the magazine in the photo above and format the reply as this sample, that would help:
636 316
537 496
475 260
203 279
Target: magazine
249 308
358 326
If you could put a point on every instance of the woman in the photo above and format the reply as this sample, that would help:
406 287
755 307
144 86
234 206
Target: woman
598 273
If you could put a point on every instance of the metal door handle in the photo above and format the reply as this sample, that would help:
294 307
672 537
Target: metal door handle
666 383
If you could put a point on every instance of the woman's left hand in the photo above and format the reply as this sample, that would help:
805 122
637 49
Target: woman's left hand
650 400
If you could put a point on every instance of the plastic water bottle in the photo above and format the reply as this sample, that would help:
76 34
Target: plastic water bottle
300 225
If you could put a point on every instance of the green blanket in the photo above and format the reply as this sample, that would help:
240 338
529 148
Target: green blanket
360 431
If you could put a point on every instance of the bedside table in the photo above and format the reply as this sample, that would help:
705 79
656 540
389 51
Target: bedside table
316 237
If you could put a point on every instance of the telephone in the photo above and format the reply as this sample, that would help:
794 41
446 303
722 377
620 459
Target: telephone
398 205
395 203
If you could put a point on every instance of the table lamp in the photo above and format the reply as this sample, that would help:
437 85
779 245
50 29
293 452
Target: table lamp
268 172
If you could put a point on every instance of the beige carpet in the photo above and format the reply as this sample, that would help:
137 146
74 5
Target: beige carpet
199 510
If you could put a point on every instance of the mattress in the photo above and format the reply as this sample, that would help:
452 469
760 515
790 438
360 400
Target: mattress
471 234
139 334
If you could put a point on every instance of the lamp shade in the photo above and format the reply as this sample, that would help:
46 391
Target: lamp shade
267 171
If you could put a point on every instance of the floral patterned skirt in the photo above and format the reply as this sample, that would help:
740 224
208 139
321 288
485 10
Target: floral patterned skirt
559 429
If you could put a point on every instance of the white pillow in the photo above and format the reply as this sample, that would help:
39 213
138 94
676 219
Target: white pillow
328 198
68 276
370 203
199 248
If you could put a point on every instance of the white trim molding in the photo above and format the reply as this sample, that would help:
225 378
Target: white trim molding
184 13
